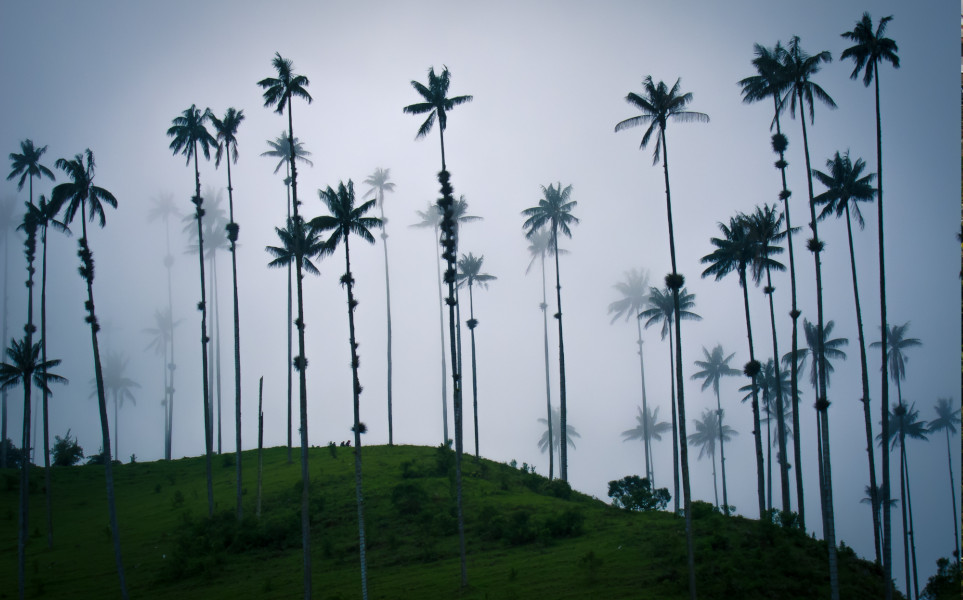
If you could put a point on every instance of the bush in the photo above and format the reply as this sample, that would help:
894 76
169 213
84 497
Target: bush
409 499
566 524
444 459
945 584
14 455
636 493
66 451
557 488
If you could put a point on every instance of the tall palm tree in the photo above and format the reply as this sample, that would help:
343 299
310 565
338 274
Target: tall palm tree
189 133
947 419
735 252
299 243
709 429
869 49
81 193
714 368
774 389
540 245
634 290
7 225
770 82
226 129
765 229
648 428
26 165
379 182
658 104
551 444
284 150
663 309
436 104
346 219
800 67
554 211
119 386
905 423
845 189
896 345
25 364
160 342
469 267
163 207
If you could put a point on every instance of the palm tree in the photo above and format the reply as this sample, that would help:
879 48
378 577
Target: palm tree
896 344
379 182
226 129
947 418
81 193
869 49
27 165
770 82
708 430
344 220
298 244
714 368
284 150
189 132
554 211
735 252
635 298
544 442
541 244
163 207
469 274
845 189
25 364
663 309
648 428
658 105
160 342
119 386
7 225
905 423
436 104
774 389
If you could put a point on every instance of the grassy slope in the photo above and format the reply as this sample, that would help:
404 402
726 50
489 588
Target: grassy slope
171 551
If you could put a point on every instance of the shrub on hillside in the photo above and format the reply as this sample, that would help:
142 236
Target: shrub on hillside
66 451
635 493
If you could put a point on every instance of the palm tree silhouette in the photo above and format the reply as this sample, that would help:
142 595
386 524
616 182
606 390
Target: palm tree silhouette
708 430
663 308
554 211
81 193
845 188
160 342
648 428
436 104
634 290
870 48
714 368
658 105
25 364
555 442
469 267
119 386
27 165
947 419
189 132
163 207
774 389
379 182
226 129
7 225
346 219
896 344
283 149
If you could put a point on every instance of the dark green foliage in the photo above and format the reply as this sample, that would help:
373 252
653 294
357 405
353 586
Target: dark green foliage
558 488
66 451
14 455
590 564
635 493
444 459
409 499
702 510
945 584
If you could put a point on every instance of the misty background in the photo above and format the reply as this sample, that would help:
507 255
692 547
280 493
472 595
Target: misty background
549 81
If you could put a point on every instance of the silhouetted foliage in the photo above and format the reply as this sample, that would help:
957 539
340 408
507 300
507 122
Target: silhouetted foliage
635 493
66 451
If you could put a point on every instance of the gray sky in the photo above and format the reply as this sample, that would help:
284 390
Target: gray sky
549 81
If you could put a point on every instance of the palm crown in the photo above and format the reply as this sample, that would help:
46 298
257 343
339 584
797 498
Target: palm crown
844 185
663 307
281 149
81 190
798 66
770 80
553 210
436 103
658 104
27 163
278 90
189 131
345 218
25 362
946 417
904 422
226 129
647 423
714 368
831 350
870 47
297 240
379 182
896 343
708 432
635 295
469 271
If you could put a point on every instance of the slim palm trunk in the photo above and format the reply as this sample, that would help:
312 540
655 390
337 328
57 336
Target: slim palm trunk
645 409
722 454
675 422
116 427
170 366
548 385
260 441
208 441
3 394
441 324
756 424
48 485
949 462
25 442
902 491
232 234
715 486
216 298
290 321
780 413
909 511
563 450
384 243
474 366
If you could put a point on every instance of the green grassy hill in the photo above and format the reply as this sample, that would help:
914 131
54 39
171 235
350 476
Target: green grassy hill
526 537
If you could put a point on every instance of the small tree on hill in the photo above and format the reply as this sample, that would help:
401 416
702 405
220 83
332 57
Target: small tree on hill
635 493
66 451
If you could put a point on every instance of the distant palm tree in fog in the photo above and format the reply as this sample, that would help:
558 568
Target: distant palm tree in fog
648 428
160 342
469 267
556 441
714 368
119 386
708 430
436 104
896 344
7 225
947 419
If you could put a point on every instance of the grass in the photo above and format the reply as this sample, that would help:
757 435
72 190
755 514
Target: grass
526 537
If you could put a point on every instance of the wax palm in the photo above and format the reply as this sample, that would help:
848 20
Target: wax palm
436 105
226 129
896 345
81 194
662 309
469 273
846 187
283 149
119 386
708 430
190 136
634 291
947 419
160 342
556 441
346 219
8 222
554 211
869 49
832 350
648 428
26 164
25 365
380 183
714 368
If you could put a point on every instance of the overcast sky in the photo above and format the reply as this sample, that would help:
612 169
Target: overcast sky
549 81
